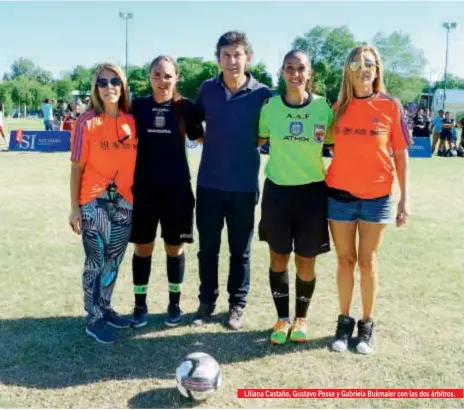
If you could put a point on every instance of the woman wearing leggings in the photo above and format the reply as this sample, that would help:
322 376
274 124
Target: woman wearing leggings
103 157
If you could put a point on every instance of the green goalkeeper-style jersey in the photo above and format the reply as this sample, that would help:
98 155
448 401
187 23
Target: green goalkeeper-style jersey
297 135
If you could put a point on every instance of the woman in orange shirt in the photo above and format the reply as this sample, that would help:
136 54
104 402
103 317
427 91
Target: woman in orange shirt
103 146
368 125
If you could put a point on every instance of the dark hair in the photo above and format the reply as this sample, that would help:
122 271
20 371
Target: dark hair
1 107
447 112
233 38
176 95
293 53
440 111
46 101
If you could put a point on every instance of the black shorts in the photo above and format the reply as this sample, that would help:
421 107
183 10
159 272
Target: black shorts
172 207
295 217
446 137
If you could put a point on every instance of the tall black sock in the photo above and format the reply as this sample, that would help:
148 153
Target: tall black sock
141 268
304 293
176 269
280 292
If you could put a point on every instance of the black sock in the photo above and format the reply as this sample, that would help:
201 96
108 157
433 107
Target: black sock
176 269
280 292
141 268
304 293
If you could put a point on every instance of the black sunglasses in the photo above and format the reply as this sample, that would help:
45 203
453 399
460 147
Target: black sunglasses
103 82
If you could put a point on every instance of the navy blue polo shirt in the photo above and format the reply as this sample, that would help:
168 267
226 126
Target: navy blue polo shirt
230 157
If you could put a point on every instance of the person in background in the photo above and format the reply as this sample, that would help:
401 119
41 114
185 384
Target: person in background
446 136
427 122
368 127
2 129
436 129
418 129
461 145
103 154
57 123
47 109
68 120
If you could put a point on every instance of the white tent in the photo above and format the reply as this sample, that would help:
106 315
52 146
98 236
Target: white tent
454 101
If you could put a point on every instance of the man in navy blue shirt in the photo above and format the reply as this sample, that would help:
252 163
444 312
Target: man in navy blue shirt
228 176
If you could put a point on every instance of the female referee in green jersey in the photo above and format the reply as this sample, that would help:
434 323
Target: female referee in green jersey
294 205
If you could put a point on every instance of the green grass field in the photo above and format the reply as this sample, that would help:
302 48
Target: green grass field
46 359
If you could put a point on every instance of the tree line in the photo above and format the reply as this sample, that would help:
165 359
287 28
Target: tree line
28 84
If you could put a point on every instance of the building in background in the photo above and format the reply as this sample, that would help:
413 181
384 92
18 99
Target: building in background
454 101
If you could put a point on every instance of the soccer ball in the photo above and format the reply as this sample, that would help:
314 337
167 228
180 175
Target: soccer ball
198 376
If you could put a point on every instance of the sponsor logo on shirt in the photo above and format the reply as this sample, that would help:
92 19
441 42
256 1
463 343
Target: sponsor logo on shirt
319 133
107 145
297 116
159 131
293 138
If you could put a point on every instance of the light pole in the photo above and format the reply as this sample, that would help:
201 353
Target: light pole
126 17
448 25
429 100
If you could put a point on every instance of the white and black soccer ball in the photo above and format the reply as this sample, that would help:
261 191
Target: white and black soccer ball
198 376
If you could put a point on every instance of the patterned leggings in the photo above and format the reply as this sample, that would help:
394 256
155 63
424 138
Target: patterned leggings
106 227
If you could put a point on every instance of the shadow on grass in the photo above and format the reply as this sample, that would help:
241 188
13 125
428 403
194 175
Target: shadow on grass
48 353
168 398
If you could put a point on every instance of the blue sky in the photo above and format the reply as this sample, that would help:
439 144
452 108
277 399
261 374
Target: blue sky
59 36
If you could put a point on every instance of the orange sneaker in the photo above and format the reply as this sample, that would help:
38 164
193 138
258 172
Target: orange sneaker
299 331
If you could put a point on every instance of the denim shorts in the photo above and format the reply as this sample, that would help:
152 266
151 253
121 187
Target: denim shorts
367 210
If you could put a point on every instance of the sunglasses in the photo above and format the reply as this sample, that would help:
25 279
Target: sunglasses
104 82
368 65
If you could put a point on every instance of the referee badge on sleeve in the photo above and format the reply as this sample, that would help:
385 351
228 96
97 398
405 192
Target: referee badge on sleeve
319 133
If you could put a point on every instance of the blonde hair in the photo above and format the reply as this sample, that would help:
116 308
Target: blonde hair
346 90
96 102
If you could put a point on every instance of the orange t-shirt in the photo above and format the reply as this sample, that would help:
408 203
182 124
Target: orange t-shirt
364 137
107 147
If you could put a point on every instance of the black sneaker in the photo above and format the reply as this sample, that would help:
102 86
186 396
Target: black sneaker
365 342
235 317
345 328
174 315
101 332
139 317
203 314
116 321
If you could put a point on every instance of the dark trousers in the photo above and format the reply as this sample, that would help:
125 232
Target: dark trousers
238 210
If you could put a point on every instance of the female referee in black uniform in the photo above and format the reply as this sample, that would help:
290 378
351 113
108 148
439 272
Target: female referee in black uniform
162 189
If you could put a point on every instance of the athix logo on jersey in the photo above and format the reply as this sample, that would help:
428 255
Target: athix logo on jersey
296 128
160 121
319 133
